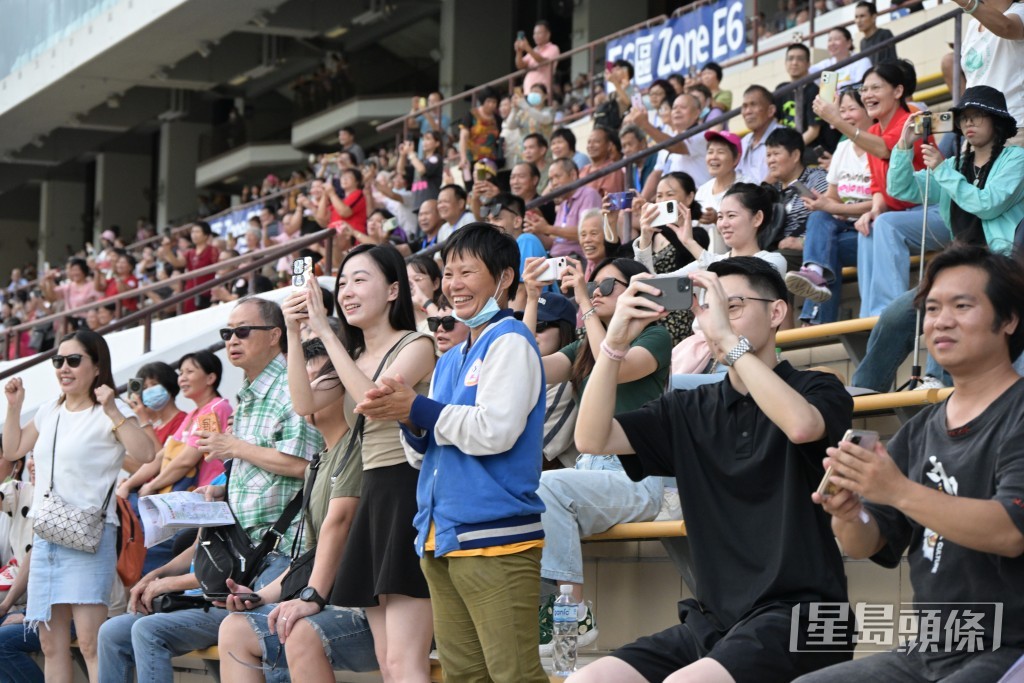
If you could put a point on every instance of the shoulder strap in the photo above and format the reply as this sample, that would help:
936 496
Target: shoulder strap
275 533
314 468
53 453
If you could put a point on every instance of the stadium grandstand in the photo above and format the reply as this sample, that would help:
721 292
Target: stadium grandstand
247 236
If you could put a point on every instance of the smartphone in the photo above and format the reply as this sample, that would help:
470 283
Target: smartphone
865 438
676 292
668 212
555 268
422 103
620 201
818 151
521 35
926 124
135 386
220 597
637 101
608 66
829 81
302 270
802 189
482 174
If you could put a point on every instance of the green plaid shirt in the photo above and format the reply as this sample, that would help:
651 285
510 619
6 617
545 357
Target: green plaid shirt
265 418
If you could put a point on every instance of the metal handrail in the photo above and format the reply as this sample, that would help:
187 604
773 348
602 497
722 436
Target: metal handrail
510 78
146 315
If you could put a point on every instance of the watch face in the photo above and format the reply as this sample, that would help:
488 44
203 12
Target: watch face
307 593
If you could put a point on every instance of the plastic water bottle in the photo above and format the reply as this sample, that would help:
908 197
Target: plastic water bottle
566 628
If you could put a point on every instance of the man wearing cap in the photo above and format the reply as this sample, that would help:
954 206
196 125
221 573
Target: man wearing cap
724 151
506 211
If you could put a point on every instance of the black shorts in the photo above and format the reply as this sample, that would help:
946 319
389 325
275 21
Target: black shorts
755 650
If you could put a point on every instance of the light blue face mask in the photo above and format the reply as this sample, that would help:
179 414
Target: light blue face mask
489 310
704 112
534 99
155 397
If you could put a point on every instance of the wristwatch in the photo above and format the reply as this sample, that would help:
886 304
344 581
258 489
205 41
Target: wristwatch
309 594
742 347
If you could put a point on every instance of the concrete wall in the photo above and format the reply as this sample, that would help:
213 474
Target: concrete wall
62 217
122 190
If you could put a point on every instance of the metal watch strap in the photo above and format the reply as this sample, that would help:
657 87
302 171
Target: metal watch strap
742 346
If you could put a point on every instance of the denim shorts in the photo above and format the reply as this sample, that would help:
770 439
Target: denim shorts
63 576
345 632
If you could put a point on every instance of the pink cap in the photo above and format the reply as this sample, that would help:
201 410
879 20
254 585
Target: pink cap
725 136
109 235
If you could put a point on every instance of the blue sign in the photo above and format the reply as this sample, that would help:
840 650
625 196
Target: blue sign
712 33
234 222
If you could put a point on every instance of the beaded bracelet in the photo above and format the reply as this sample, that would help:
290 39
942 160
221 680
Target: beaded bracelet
617 356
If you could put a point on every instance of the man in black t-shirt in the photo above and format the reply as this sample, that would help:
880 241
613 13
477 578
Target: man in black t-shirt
814 131
746 454
866 15
949 489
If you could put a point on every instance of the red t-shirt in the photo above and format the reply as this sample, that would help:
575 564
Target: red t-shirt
357 202
880 167
169 428
130 282
195 260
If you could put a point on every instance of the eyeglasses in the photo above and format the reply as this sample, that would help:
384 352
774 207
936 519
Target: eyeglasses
868 89
736 304
605 286
242 331
447 322
494 209
74 360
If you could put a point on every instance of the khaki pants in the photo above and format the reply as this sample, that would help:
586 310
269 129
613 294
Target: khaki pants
485 616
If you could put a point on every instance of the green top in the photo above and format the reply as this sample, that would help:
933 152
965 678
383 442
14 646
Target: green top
347 485
632 395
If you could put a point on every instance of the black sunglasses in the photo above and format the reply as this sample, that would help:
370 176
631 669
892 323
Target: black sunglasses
494 209
605 286
541 326
242 331
74 360
447 322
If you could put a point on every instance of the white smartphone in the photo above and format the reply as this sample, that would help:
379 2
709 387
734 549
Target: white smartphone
555 268
637 101
668 212
829 81
302 270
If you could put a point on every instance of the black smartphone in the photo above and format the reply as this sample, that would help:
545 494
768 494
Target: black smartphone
221 597
676 292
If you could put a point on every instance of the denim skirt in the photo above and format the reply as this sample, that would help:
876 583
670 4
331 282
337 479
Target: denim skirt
59 575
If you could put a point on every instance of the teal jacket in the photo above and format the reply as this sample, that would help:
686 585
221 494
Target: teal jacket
1000 205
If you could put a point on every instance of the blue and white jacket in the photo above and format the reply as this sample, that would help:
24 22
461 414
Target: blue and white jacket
481 450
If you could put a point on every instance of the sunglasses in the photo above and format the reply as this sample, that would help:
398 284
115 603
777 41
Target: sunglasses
493 210
605 286
447 322
242 331
74 360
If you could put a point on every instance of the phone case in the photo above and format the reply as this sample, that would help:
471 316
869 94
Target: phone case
676 292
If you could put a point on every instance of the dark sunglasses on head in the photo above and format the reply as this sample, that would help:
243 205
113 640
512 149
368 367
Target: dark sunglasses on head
541 326
242 331
74 360
605 286
494 209
447 322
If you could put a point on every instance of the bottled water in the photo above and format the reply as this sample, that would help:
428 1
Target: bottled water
566 628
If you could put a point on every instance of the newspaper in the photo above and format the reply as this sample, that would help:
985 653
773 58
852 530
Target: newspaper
165 515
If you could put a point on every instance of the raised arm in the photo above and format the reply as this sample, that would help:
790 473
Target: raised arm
18 440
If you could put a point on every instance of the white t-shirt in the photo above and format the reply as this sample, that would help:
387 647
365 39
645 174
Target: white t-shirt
402 211
692 164
850 174
707 199
88 456
990 60
848 75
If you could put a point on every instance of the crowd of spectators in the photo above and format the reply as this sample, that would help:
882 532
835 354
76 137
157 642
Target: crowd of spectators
760 223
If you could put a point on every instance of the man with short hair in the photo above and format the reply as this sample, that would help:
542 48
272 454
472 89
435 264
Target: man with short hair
563 146
686 156
430 222
269 446
601 150
758 112
565 230
451 206
528 57
633 141
746 453
535 151
507 211
865 15
711 77
620 76
813 130
947 489
347 140
525 182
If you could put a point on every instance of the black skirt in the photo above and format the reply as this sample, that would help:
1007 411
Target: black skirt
380 556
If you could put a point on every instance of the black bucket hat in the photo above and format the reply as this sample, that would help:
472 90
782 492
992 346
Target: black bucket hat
986 99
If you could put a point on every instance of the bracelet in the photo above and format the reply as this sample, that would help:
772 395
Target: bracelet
119 424
589 313
616 356
973 8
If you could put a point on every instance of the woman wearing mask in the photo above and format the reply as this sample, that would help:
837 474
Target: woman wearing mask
80 440
154 405
597 493
530 114
746 209
831 239
425 285
380 572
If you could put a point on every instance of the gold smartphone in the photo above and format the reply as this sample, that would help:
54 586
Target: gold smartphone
829 81
865 438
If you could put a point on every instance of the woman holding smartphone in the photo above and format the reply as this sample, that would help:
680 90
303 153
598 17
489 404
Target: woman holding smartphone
380 570
597 493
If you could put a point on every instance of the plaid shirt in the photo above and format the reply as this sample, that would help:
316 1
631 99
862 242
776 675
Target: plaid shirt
265 418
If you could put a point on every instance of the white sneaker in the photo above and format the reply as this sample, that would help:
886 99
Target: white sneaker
929 382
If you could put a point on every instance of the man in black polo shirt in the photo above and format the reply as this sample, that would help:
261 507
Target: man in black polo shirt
747 455
949 487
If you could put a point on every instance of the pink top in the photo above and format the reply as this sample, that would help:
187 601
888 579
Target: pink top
76 296
187 434
543 74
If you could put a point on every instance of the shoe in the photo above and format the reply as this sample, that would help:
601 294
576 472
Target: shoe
808 284
929 382
587 625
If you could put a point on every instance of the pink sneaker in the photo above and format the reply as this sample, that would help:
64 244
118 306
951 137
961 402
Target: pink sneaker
808 284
